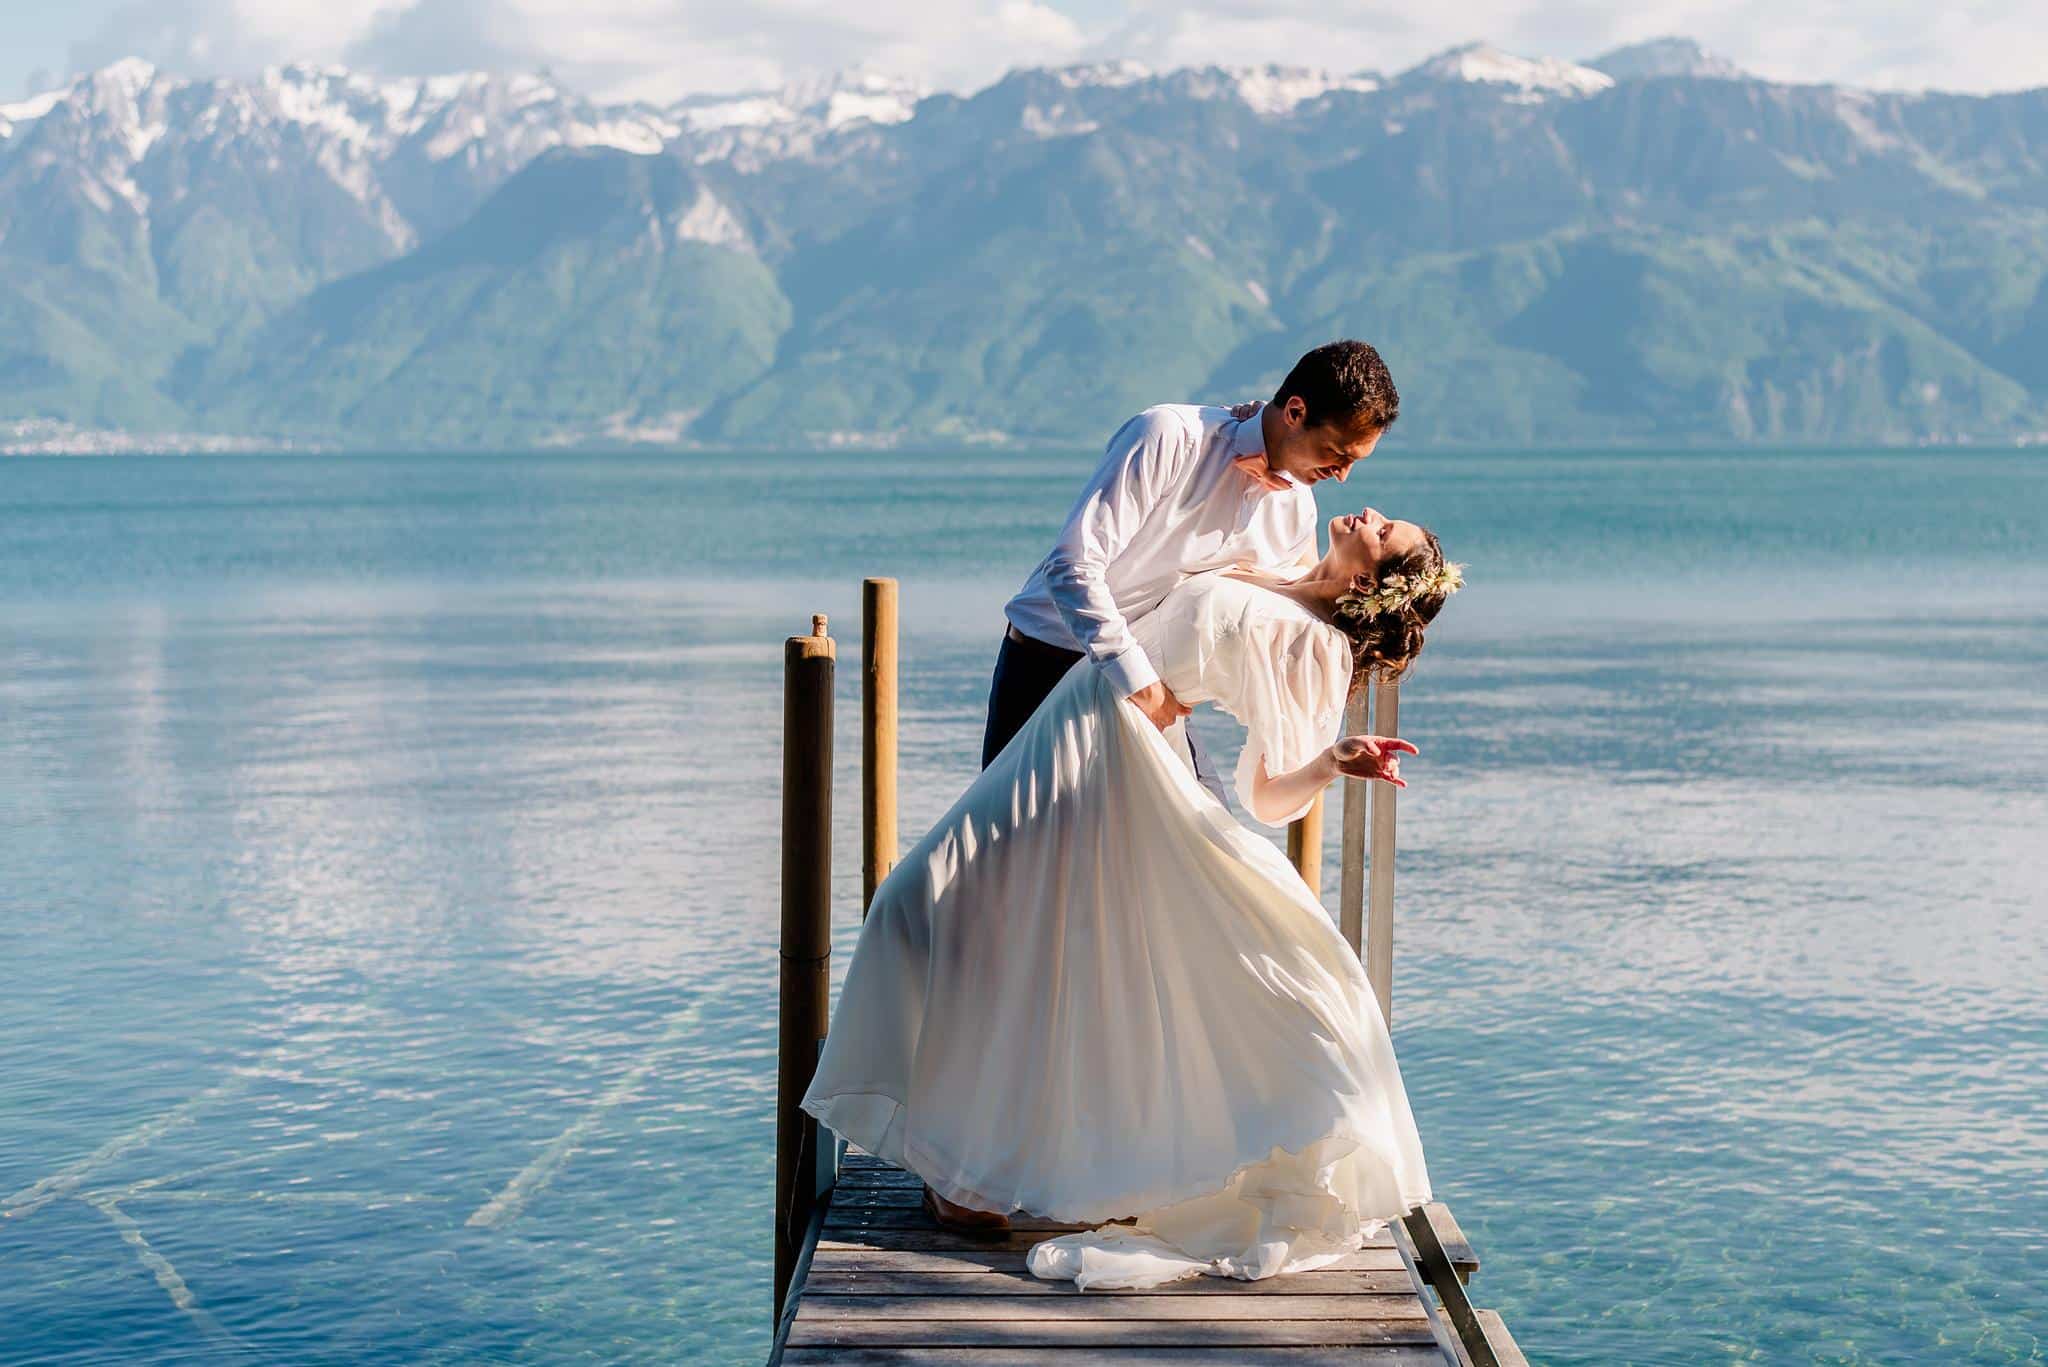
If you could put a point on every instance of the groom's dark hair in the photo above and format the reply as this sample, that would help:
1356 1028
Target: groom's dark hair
1343 382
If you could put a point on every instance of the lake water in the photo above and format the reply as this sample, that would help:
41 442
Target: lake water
388 890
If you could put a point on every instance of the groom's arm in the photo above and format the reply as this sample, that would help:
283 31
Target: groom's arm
1147 458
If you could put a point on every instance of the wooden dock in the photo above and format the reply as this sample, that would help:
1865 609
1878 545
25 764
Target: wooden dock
881 1285
863 1276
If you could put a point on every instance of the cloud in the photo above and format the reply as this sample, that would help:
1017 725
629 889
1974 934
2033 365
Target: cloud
660 48
444 35
612 48
225 37
1988 45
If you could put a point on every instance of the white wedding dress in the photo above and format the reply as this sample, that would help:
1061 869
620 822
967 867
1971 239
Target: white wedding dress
1089 993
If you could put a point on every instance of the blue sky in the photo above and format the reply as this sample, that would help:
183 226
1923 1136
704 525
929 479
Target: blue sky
657 48
36 38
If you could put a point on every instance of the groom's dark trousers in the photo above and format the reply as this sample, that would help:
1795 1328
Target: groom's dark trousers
1026 673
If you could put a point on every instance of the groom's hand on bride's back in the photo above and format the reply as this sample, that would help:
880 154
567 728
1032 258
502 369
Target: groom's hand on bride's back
1156 701
1372 757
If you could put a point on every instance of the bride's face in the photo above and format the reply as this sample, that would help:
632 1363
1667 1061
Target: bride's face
1361 542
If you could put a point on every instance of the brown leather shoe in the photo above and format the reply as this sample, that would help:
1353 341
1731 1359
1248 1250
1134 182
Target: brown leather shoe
959 1219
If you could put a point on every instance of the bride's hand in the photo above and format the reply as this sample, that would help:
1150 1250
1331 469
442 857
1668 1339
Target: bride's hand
1371 757
1244 410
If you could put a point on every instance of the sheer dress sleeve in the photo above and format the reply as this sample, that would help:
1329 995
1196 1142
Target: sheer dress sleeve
1286 681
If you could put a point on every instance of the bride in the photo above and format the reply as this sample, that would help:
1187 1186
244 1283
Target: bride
1090 994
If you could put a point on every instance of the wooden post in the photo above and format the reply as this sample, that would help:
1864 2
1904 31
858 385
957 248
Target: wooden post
808 665
1379 936
877 736
1351 885
1305 846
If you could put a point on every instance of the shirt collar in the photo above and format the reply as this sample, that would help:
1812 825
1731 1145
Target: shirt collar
1250 437
1250 440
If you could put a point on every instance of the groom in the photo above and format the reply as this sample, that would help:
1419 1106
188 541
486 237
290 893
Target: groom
1184 489
1180 490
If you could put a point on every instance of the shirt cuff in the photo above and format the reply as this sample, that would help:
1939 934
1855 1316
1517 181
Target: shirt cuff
1129 671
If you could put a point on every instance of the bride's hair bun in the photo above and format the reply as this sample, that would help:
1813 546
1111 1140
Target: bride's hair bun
1385 616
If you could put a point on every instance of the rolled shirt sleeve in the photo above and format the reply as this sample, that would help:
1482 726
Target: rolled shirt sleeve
1148 456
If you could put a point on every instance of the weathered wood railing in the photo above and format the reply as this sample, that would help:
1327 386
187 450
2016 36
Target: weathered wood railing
807 1158
877 735
1375 710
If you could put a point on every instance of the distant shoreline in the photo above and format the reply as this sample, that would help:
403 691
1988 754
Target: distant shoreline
188 445
58 439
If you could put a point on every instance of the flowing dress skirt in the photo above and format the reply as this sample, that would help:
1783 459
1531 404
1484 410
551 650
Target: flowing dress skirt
1089 993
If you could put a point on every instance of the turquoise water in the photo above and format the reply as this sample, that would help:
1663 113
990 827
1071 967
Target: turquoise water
388 893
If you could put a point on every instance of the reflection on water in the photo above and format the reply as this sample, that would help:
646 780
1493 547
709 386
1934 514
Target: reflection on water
386 967
369 981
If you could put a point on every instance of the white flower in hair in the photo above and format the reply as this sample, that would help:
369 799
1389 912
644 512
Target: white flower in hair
1397 590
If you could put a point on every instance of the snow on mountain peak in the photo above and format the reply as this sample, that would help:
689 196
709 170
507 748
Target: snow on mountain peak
1665 57
830 102
452 85
852 96
501 120
29 110
1482 63
129 76
124 104
353 108
1274 90
852 106
709 113
1111 74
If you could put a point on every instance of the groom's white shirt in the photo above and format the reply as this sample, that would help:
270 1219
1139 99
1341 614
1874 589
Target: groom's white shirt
1166 502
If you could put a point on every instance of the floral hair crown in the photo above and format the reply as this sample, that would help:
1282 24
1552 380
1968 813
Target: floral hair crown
1396 591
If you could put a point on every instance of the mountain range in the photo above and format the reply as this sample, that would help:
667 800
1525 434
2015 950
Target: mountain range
1650 248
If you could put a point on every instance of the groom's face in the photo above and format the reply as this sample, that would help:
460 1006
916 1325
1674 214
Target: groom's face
1314 454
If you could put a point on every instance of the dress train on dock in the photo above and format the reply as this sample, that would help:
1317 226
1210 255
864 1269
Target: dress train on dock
1089 993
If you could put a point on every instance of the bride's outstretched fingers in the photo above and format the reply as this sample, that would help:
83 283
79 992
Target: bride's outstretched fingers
1372 757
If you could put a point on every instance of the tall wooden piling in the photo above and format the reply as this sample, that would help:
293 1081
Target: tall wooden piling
808 666
1305 845
1379 930
877 735
1351 865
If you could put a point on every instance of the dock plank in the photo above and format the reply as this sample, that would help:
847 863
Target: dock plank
856 1214
1319 1283
1402 1305
1500 1340
1456 1246
1389 1355
981 1258
849 1228
924 1236
828 1333
856 1166
887 1288
878 1180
